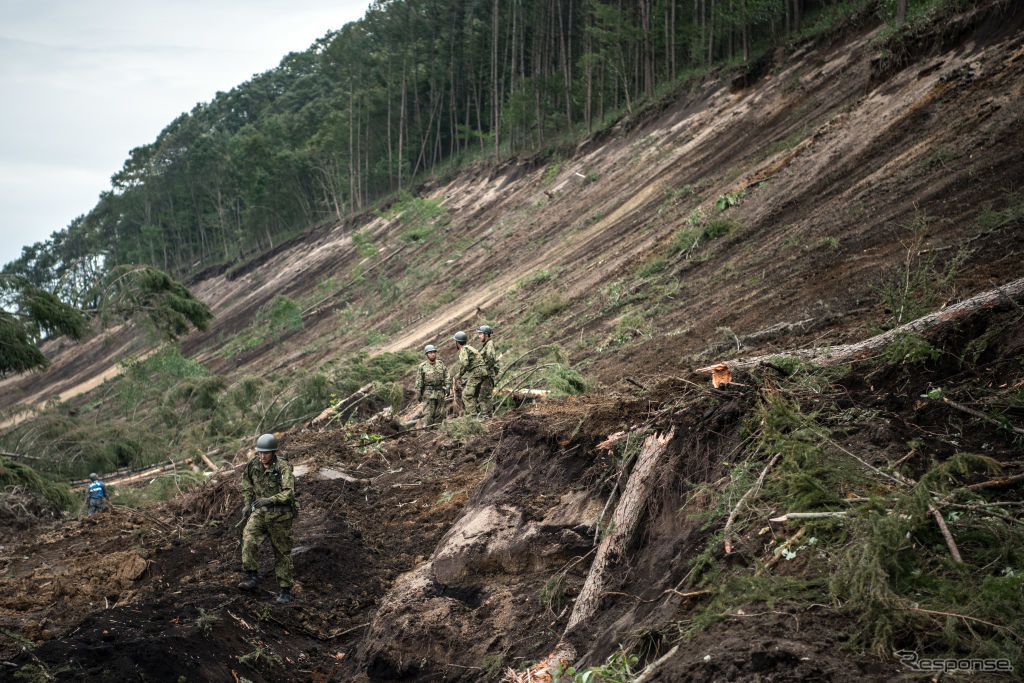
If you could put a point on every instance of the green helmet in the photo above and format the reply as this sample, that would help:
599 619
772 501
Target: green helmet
429 348
485 329
94 476
461 337
266 443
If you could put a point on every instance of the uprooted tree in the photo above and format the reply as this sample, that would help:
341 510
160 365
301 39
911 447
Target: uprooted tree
30 314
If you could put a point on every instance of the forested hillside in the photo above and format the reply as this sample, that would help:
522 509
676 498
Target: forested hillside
416 86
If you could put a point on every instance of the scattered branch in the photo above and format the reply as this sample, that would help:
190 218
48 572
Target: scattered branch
751 491
777 553
808 515
651 668
983 416
950 543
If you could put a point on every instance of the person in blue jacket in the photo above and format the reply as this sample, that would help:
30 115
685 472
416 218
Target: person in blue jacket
97 494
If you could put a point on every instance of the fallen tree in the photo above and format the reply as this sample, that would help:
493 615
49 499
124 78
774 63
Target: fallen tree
928 325
624 524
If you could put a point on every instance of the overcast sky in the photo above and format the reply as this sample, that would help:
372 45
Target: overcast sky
82 82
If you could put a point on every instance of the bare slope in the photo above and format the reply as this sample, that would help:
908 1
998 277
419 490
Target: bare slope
832 163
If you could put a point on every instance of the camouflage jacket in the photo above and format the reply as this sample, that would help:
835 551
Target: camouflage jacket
490 355
432 377
276 482
471 364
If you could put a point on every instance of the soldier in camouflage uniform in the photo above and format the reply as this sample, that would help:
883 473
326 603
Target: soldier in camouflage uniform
268 487
490 356
473 368
432 382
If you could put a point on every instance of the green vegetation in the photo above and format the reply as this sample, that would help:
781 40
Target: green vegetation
909 347
289 148
28 313
261 656
420 217
551 174
883 559
720 227
273 320
620 667
166 405
16 474
462 428
897 40
363 241
1012 213
728 200
206 621
922 281
31 312
651 267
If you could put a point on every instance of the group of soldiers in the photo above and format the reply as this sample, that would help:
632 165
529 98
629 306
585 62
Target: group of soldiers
477 371
268 482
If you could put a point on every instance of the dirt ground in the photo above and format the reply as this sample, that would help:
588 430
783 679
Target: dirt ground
438 564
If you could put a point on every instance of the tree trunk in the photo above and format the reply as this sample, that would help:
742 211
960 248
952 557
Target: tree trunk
1011 292
494 78
710 22
624 524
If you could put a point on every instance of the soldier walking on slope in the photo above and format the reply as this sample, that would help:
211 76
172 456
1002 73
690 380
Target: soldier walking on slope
490 356
474 369
268 487
433 383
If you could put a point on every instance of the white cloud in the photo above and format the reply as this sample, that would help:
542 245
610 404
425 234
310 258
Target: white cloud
85 81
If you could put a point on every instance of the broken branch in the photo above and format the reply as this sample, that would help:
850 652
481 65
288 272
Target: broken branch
808 515
950 543
983 416
735 511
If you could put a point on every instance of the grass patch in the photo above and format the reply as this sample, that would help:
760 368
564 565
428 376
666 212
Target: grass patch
420 217
651 267
273 320
720 227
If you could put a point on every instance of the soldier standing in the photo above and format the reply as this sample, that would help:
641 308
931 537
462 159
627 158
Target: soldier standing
473 368
490 356
268 486
432 383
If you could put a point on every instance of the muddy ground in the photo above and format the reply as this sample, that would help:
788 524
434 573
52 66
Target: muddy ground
440 565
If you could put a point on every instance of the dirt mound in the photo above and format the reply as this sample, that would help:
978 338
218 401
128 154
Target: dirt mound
22 509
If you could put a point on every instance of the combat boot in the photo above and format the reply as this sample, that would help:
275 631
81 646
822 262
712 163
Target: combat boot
250 580
285 597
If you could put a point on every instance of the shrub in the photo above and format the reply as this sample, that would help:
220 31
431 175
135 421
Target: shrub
720 227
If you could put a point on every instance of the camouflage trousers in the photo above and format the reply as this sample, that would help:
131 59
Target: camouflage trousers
433 407
97 505
260 527
476 396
